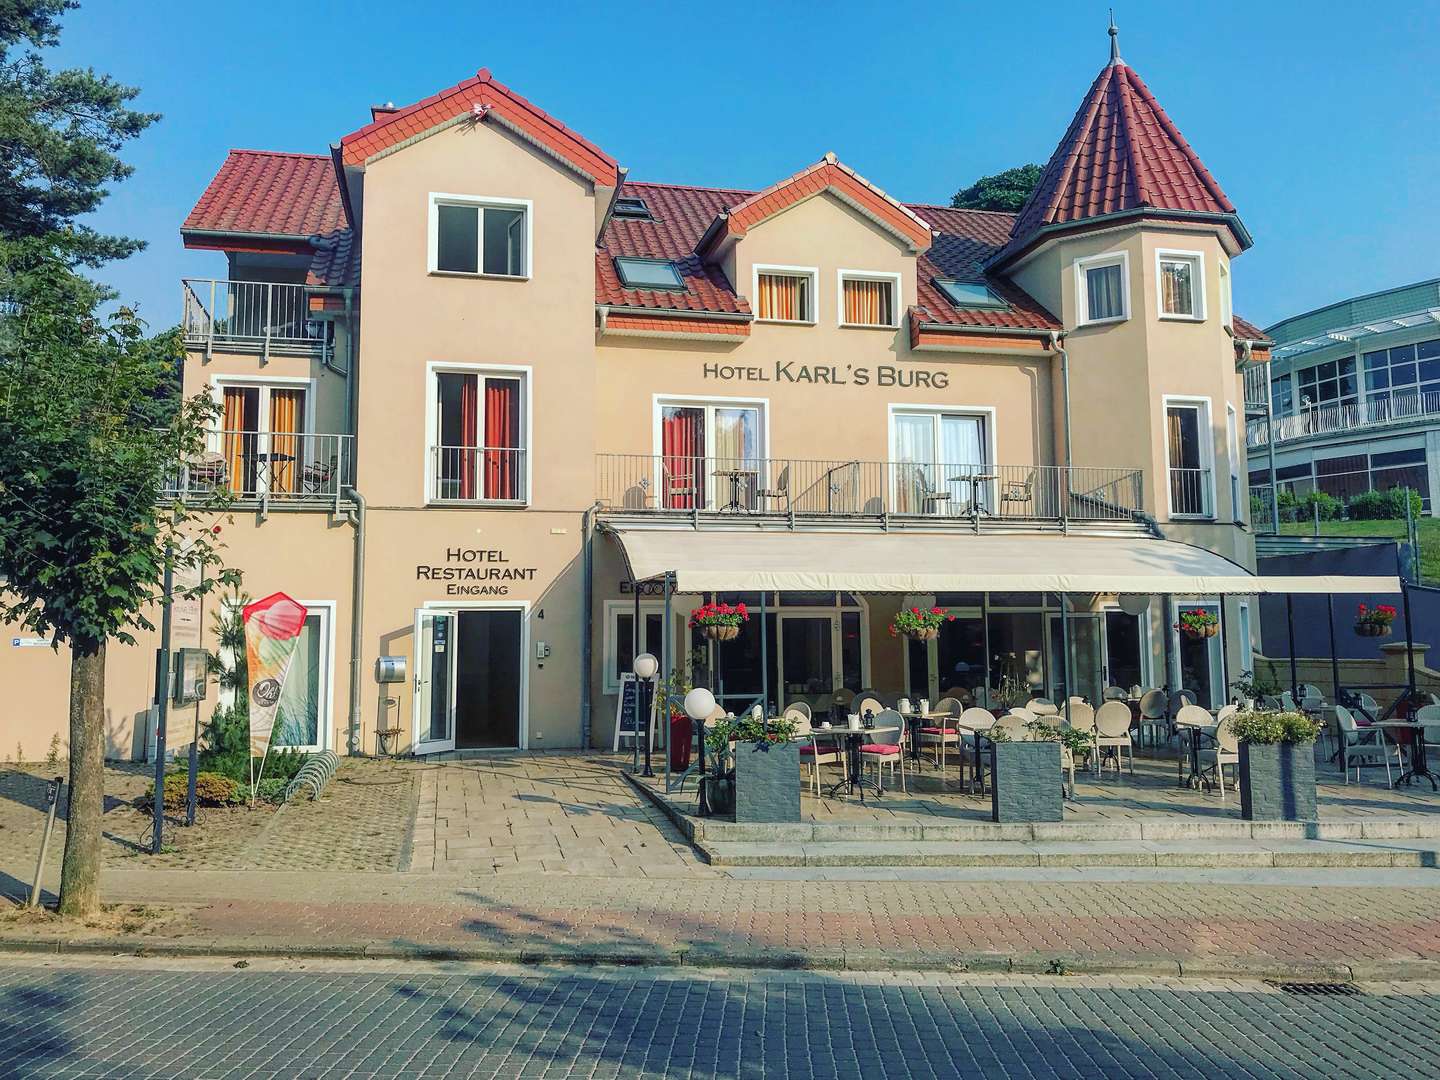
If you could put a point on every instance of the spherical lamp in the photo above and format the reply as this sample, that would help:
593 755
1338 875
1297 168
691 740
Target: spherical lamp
1133 603
699 703
646 666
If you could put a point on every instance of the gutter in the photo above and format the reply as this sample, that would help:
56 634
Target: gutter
1230 220
606 310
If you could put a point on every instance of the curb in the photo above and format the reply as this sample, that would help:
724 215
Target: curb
702 958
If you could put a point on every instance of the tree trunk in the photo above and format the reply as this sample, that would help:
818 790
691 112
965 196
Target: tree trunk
80 872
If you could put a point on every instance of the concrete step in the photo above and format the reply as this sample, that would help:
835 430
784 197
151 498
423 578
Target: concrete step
1250 853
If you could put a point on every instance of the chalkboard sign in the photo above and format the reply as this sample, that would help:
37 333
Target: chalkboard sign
627 717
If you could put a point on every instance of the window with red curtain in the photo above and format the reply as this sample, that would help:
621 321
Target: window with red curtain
503 477
682 451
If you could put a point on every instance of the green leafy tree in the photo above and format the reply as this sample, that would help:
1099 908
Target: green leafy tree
61 133
93 427
1003 191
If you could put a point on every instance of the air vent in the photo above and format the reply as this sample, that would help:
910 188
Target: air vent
1318 989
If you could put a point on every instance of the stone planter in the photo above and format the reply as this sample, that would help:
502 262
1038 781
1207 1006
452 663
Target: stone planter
721 633
1277 781
767 782
1025 782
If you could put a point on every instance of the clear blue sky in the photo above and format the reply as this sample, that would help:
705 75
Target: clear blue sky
1318 118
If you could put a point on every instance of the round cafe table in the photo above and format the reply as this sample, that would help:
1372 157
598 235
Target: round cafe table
1418 765
853 738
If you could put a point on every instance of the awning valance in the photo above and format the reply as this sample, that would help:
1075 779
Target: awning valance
721 560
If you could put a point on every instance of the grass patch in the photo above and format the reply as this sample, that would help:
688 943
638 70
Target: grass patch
1427 530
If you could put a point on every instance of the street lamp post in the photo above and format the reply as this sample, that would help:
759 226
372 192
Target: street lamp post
645 667
699 704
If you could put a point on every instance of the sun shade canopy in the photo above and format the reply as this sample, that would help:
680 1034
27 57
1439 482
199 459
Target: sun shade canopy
736 561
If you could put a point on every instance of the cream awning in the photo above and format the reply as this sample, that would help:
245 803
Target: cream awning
719 560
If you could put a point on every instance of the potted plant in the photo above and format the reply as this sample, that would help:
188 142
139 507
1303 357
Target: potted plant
1277 765
1026 783
1374 621
1198 623
757 769
917 624
719 622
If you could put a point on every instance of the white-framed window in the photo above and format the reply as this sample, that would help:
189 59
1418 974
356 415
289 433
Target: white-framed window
785 294
711 453
478 434
307 700
1102 288
480 236
1189 463
868 299
619 642
264 442
934 450
1180 284
1232 450
1227 303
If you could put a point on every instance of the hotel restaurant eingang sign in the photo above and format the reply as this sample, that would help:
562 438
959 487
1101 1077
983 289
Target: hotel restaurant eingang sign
475 572
790 371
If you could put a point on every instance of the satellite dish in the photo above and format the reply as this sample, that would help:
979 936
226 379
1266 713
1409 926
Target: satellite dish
1133 603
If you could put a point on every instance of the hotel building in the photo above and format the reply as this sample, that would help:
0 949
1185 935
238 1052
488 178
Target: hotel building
483 393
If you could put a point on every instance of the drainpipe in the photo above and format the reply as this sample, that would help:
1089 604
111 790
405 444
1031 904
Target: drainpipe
1270 448
1056 338
357 616
587 529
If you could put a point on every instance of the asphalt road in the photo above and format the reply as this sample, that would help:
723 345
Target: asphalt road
128 1020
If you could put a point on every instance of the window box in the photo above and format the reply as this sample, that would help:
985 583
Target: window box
475 236
1102 289
869 300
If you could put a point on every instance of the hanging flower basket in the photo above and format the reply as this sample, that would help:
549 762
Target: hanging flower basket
719 622
1374 621
917 624
1198 623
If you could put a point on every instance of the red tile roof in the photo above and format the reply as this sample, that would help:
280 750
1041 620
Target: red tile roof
479 97
1246 330
336 260
270 193
965 240
1120 153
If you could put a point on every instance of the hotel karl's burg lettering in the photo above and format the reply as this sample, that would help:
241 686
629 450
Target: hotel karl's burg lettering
791 371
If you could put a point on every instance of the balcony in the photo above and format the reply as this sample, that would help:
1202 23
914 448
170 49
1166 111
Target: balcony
790 490
492 475
1404 408
1191 493
253 317
268 468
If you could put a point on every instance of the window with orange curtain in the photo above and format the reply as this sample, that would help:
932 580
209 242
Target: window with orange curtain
287 411
869 302
784 297
241 421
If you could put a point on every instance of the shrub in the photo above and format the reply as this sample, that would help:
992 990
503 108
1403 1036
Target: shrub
211 789
1317 502
1274 727
282 765
271 789
1384 505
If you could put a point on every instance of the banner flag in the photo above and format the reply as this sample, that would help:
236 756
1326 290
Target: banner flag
272 630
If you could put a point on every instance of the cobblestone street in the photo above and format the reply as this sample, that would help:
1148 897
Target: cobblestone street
201 1021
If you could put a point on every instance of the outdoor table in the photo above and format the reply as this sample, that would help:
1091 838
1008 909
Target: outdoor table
1418 764
1193 734
735 476
854 779
974 480
944 720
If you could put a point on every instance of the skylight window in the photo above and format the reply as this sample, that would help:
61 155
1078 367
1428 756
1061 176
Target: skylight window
648 273
967 294
631 206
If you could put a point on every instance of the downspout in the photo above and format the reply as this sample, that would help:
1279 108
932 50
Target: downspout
357 615
587 528
1056 346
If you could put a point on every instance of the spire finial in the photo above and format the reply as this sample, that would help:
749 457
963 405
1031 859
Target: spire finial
1114 40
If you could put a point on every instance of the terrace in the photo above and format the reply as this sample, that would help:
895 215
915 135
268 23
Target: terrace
301 470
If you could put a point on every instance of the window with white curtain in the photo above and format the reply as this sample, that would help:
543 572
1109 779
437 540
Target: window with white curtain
933 452
1182 284
710 451
1102 288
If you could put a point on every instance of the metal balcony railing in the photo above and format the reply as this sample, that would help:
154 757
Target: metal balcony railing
1257 387
1404 407
269 466
253 316
828 488
1191 494
489 474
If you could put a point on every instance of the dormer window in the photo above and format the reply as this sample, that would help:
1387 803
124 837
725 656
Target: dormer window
970 294
631 206
785 294
1181 279
1102 289
869 299
648 273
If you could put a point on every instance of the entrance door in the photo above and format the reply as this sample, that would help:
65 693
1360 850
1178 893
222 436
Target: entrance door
1202 661
1124 650
807 660
434 682
1088 680
488 671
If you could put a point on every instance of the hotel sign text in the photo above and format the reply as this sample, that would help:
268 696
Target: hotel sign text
790 371
475 572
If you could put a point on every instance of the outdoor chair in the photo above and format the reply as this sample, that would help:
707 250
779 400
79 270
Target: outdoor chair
816 751
1115 693
1362 746
1429 716
1287 701
958 692
680 491
1153 705
941 734
867 702
207 472
886 747
1017 722
1179 699
801 707
1112 732
779 493
316 477
979 721
1042 706
1014 493
1226 750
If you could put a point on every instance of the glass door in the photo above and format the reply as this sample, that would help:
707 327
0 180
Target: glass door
1124 650
1088 681
1202 660
434 682
807 660
301 720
